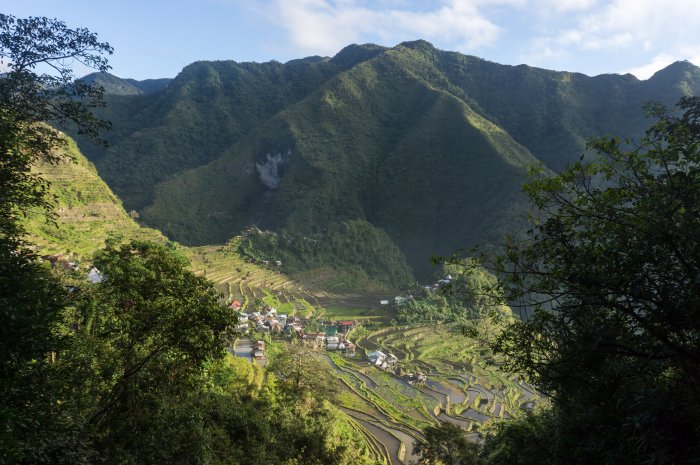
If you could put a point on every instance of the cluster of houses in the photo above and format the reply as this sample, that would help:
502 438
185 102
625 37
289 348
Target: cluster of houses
259 350
333 336
265 321
402 299
389 362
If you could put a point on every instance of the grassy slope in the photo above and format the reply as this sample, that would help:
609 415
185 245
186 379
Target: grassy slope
87 212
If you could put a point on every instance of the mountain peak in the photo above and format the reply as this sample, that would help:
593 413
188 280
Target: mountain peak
356 53
114 85
676 71
419 44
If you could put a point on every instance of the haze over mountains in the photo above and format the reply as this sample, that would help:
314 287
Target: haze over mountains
426 147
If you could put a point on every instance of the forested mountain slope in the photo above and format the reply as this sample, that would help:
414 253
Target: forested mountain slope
429 147
113 85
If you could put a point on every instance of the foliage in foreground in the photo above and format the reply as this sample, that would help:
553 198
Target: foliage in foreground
446 444
30 298
611 274
119 356
134 372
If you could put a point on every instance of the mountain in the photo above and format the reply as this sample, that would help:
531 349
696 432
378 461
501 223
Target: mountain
114 85
147 86
427 147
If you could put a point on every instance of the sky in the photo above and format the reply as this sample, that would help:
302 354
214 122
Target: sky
157 38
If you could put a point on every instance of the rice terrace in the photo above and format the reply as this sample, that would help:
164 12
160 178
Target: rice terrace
460 387
440 374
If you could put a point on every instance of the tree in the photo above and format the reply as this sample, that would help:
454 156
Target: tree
610 275
27 101
446 444
31 298
477 290
472 298
523 440
302 373
145 334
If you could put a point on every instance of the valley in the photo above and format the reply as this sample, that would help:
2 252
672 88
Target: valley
382 159
385 407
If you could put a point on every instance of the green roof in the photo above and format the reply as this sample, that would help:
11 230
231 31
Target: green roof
331 330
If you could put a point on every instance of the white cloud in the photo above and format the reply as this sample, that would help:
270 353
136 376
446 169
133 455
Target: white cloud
647 70
590 36
664 59
649 28
325 26
564 5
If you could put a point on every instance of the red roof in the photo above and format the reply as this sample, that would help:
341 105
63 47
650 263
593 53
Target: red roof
346 323
236 304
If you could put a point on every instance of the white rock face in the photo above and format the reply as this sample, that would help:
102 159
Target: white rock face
269 171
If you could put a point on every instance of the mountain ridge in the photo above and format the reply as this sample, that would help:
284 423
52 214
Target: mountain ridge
114 85
427 145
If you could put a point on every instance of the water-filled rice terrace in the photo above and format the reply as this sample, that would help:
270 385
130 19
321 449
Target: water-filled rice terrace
461 387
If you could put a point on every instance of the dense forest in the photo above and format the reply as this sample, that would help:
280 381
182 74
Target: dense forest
429 146
354 254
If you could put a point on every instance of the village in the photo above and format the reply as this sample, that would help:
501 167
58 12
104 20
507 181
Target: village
329 335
